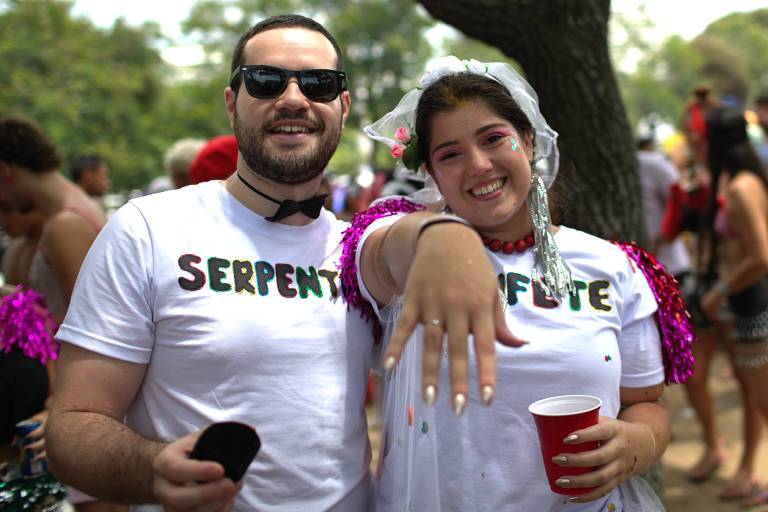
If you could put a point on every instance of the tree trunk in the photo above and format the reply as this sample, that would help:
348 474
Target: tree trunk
562 46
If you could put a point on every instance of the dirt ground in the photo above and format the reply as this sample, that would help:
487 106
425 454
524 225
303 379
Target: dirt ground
680 495
683 496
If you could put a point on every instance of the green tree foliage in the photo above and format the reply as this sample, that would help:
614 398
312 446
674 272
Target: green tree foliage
748 33
191 108
91 89
109 92
628 35
724 66
662 81
729 55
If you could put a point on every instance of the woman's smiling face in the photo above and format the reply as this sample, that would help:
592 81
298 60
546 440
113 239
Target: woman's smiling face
481 164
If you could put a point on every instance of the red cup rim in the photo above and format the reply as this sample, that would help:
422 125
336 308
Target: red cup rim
565 399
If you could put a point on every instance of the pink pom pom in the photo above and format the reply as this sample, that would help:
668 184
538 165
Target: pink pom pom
347 265
673 318
27 325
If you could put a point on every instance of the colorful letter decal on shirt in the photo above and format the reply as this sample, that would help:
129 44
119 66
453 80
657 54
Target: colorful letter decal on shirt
517 287
258 277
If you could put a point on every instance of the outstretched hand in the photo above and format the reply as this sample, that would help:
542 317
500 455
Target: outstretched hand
184 484
451 290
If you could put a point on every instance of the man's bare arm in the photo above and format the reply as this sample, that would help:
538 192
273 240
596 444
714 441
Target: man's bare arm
88 446
90 449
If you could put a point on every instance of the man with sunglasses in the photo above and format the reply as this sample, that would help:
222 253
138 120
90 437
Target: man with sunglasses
218 302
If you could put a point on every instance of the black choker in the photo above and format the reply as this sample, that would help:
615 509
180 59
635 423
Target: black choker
310 207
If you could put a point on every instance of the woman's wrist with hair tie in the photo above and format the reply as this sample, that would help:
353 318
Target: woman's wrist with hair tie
439 219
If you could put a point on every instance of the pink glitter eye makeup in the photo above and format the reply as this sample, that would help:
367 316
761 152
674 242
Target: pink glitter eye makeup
502 132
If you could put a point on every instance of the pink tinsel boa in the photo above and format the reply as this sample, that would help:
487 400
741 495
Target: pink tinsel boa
348 265
27 325
674 322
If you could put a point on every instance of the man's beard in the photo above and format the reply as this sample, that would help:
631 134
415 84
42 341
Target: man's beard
286 166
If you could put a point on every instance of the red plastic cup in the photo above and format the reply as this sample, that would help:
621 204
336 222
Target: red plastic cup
557 417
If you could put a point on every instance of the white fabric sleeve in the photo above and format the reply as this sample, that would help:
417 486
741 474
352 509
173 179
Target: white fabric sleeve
669 174
111 308
639 342
374 226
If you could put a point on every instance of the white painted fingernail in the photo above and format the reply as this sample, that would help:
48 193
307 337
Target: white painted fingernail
488 393
562 481
571 438
560 459
389 363
459 403
429 394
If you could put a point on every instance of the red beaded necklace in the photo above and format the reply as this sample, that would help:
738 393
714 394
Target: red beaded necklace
508 247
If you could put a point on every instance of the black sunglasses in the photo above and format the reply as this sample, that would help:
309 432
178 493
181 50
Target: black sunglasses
267 82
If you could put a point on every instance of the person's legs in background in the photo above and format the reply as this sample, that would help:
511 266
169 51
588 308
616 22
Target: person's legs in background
700 398
743 483
751 363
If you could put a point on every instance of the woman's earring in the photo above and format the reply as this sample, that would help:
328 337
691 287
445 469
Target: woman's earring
549 269
514 144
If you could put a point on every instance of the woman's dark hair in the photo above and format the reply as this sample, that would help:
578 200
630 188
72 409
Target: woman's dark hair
729 151
452 91
24 144
729 148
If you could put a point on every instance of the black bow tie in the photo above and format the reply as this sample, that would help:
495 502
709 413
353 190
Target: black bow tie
310 207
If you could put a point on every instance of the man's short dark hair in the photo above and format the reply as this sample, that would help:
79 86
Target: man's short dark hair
282 21
645 143
23 143
83 163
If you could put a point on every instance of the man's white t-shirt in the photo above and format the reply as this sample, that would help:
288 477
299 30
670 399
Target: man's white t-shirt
489 459
236 319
